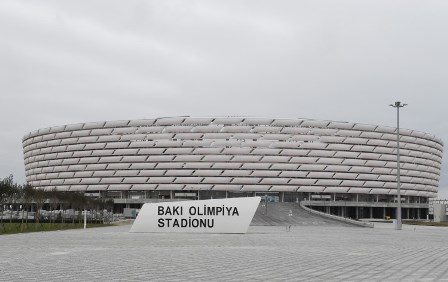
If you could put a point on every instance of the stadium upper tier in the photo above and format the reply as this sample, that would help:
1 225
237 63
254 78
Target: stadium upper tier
232 154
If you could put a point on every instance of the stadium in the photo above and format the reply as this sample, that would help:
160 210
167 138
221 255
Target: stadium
342 168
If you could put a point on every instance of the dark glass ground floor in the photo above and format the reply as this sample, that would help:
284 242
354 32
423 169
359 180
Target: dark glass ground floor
356 206
374 212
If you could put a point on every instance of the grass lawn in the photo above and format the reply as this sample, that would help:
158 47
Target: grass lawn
425 223
13 228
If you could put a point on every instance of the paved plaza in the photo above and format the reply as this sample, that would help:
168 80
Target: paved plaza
307 253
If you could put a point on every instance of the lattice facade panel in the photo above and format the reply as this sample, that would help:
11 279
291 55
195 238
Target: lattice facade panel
231 154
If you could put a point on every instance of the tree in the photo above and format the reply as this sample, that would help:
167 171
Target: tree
6 187
78 204
53 195
40 197
28 194
64 201
15 195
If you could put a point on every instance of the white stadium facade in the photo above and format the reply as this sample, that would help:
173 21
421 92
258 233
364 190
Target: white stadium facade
342 168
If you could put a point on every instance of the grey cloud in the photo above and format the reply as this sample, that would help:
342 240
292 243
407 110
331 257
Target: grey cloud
71 61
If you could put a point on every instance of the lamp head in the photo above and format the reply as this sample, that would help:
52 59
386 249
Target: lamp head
398 104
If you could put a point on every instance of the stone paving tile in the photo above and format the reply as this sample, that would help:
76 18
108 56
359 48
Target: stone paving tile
266 253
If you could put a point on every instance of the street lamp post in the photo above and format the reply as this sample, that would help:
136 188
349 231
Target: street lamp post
398 105
266 202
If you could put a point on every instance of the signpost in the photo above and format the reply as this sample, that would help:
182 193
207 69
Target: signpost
231 215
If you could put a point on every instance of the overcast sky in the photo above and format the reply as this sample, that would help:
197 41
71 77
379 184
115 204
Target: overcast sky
67 62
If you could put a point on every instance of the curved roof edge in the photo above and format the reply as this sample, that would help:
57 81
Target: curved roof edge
122 123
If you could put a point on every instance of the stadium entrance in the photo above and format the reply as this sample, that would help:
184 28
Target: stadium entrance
270 197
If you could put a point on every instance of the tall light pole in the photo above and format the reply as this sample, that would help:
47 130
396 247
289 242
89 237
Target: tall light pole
266 202
398 105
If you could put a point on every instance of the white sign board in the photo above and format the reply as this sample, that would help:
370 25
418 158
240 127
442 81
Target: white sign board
231 215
